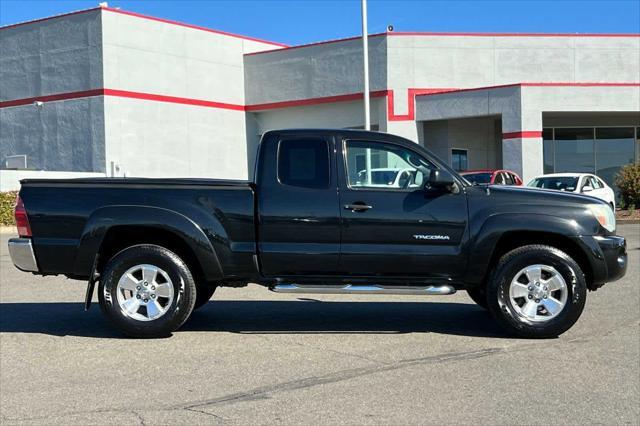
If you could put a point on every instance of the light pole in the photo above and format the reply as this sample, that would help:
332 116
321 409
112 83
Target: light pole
365 54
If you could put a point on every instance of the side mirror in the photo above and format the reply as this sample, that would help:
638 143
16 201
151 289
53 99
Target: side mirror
440 179
587 188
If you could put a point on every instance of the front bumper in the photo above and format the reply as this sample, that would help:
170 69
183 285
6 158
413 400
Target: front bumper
22 255
607 256
614 251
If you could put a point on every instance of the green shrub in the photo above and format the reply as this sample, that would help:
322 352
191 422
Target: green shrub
7 203
628 182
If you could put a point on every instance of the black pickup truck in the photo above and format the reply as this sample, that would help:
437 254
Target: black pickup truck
329 211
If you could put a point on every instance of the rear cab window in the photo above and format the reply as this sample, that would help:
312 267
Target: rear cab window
304 163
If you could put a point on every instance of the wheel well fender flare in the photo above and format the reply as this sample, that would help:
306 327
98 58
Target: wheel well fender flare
483 246
108 217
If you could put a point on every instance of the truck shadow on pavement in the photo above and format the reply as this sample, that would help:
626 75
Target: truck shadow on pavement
268 317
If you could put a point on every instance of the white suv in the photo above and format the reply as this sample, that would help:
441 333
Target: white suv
582 183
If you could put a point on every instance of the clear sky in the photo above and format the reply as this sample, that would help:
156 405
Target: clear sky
304 21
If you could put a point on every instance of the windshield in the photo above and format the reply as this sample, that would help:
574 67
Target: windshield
559 183
478 178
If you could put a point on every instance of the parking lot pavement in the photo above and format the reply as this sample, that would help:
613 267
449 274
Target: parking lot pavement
251 356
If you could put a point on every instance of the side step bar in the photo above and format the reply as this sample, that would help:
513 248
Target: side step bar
363 289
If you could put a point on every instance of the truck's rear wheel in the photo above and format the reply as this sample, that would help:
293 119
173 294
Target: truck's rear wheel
203 294
536 291
147 291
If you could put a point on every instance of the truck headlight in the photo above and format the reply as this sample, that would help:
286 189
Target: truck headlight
604 215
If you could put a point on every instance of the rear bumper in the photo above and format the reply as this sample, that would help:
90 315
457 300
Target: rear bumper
22 255
607 256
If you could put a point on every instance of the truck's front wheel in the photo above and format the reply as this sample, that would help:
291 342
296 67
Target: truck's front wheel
147 291
536 291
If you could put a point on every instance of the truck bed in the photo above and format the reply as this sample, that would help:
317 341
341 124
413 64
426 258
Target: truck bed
68 214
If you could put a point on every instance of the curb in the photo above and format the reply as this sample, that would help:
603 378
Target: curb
627 221
4 229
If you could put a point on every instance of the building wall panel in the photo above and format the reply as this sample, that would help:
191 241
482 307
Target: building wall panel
143 55
49 57
313 71
159 139
64 135
452 61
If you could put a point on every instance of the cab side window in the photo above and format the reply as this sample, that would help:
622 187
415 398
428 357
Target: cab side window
376 165
499 180
304 163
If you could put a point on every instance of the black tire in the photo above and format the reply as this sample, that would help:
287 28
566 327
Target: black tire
184 291
505 271
478 295
203 294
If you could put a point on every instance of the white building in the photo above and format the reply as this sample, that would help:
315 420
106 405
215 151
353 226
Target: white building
109 92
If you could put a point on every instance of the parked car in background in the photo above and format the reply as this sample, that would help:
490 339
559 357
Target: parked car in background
388 178
492 177
581 183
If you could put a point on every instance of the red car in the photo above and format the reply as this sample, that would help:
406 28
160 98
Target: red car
492 177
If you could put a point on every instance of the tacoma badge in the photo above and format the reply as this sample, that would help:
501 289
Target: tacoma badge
430 237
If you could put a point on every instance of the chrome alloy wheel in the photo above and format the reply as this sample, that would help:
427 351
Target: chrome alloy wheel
538 293
144 292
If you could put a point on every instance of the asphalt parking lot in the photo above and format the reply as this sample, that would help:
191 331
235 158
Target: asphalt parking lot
255 357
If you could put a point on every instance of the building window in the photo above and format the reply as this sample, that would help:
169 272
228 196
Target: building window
304 163
573 150
459 159
15 162
601 150
615 147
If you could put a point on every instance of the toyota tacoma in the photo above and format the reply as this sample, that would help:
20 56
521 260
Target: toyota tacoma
314 221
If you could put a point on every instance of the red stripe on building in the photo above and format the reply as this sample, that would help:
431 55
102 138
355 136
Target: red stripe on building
77 12
317 43
172 99
51 98
527 134
588 84
194 27
389 93
541 84
458 34
313 101
151 18
411 107
472 34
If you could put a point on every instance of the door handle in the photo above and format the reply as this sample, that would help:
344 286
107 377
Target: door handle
358 206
